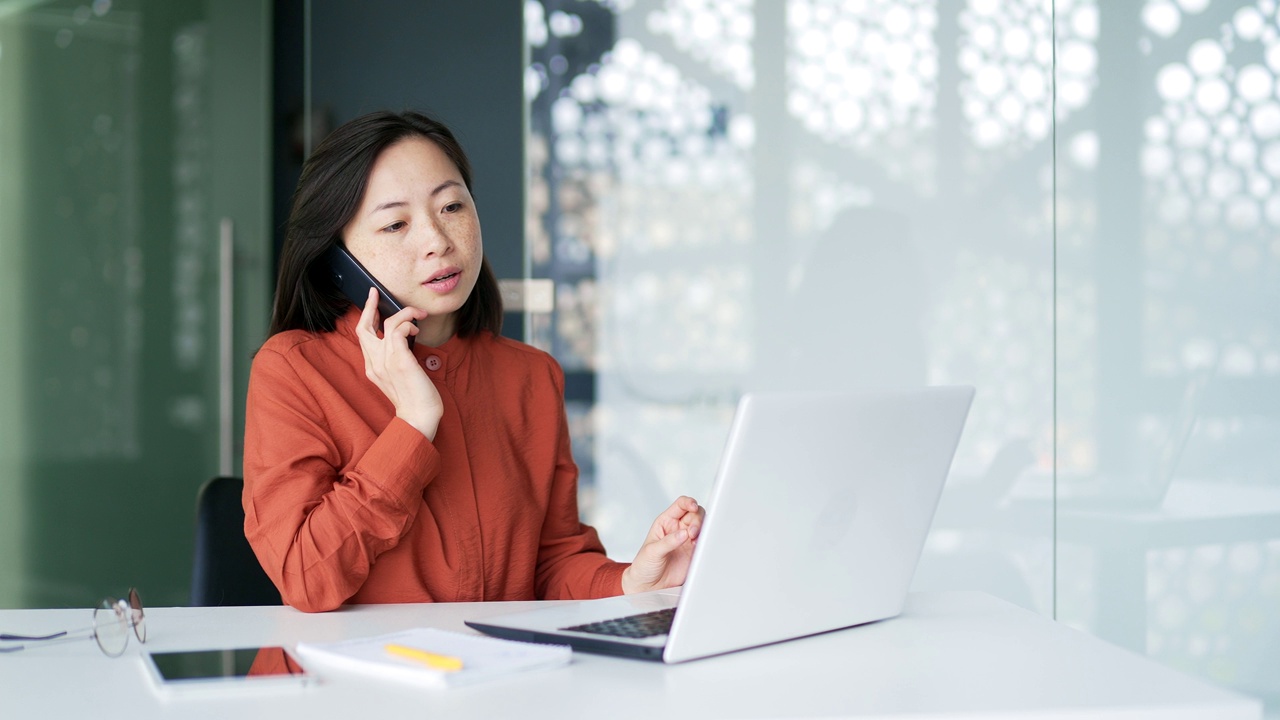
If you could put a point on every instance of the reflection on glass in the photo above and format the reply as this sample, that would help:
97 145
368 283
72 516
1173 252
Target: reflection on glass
1166 251
646 178
1072 205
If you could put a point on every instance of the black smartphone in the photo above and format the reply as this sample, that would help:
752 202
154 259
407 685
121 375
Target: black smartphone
354 280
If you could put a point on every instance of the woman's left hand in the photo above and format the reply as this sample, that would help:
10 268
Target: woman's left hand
663 560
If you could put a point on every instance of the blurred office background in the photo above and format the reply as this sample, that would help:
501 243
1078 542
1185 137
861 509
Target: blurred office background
1072 205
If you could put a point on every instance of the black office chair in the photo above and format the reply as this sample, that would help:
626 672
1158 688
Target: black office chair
226 570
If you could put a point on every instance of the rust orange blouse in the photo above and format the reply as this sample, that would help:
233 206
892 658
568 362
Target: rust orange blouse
345 503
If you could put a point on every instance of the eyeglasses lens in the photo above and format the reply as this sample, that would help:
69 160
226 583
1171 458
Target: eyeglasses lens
136 615
111 626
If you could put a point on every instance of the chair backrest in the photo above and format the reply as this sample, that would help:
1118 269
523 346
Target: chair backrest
226 572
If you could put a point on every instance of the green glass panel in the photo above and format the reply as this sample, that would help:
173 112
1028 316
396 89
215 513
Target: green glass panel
110 202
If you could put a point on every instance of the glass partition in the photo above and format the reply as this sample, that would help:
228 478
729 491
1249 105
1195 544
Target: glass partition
1168 484
803 195
126 158
1070 205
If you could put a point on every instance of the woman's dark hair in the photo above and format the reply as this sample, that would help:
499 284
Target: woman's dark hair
329 192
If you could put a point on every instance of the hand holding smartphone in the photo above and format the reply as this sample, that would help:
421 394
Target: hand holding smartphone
415 390
355 281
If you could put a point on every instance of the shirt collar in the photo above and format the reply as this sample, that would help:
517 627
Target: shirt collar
451 353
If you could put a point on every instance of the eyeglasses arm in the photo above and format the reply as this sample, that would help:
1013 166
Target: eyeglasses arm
8 636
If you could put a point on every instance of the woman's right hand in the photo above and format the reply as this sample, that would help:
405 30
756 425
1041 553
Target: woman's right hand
390 364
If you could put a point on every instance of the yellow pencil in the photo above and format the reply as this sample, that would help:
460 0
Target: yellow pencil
447 663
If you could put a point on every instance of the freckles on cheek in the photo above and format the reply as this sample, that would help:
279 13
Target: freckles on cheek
386 261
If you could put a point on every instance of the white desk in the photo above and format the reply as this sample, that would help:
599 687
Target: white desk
958 654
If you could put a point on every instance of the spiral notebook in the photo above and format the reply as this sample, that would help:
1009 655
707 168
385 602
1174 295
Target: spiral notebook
432 657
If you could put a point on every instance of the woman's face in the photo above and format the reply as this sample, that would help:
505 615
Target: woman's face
417 231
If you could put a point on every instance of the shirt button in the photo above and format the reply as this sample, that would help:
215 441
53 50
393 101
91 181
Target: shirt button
433 362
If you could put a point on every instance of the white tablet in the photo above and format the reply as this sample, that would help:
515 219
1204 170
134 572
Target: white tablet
219 671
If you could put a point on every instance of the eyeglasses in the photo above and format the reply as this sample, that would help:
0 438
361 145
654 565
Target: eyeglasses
111 623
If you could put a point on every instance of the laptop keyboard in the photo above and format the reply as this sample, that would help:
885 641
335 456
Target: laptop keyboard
643 625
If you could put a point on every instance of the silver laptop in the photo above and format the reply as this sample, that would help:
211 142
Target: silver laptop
816 521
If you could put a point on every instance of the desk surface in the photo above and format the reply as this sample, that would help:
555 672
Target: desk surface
953 654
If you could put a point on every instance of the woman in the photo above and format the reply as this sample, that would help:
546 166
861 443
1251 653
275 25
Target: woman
419 457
